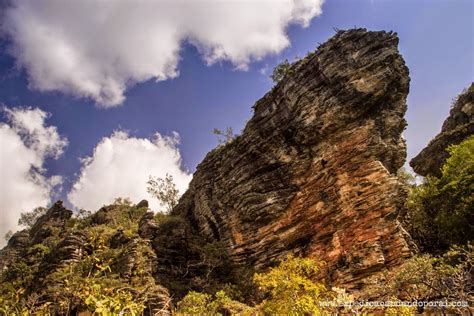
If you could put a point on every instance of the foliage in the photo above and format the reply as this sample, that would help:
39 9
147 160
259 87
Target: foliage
28 219
91 283
83 214
290 288
224 136
8 235
287 289
280 71
164 190
122 201
441 210
106 301
407 178
195 303
427 278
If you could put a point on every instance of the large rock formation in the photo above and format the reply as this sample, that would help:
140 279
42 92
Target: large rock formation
456 128
314 170
313 173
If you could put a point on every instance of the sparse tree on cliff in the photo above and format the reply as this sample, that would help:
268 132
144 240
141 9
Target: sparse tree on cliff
280 71
28 219
165 190
224 136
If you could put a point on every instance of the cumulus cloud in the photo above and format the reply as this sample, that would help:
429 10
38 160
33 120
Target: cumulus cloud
96 48
25 143
121 165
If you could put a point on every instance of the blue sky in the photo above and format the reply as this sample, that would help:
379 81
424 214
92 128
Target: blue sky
436 40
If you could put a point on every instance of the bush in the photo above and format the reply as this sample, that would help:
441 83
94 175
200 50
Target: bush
280 71
195 303
428 278
441 210
290 289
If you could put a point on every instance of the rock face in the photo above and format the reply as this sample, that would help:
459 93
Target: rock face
15 246
313 173
51 222
314 170
456 128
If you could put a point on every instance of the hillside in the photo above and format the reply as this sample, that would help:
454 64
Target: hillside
313 175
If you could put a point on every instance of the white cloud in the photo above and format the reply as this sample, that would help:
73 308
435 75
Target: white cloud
25 143
29 123
120 167
96 48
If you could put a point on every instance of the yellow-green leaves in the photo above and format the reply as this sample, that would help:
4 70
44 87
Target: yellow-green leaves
290 287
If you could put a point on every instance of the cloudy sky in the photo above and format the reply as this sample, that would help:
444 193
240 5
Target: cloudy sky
97 95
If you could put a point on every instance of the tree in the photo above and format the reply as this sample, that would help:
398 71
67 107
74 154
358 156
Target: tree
280 71
164 190
8 235
290 289
224 137
441 210
28 219
407 178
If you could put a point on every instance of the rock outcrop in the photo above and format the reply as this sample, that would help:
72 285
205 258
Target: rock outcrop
314 169
40 259
14 248
313 173
456 128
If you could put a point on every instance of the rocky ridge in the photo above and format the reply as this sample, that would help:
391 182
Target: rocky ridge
456 128
313 172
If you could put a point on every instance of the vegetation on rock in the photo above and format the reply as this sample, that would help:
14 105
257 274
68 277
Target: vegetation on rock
224 136
280 71
165 190
95 263
441 210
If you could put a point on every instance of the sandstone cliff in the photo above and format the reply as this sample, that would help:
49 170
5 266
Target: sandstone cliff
314 170
456 128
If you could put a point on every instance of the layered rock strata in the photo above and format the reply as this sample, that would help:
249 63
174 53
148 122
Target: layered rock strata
456 128
314 169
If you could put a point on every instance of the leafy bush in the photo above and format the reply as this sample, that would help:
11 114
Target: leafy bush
224 136
280 71
441 210
428 278
290 288
195 303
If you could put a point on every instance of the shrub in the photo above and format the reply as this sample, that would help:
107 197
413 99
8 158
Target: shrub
280 71
427 278
224 136
290 289
195 303
441 210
